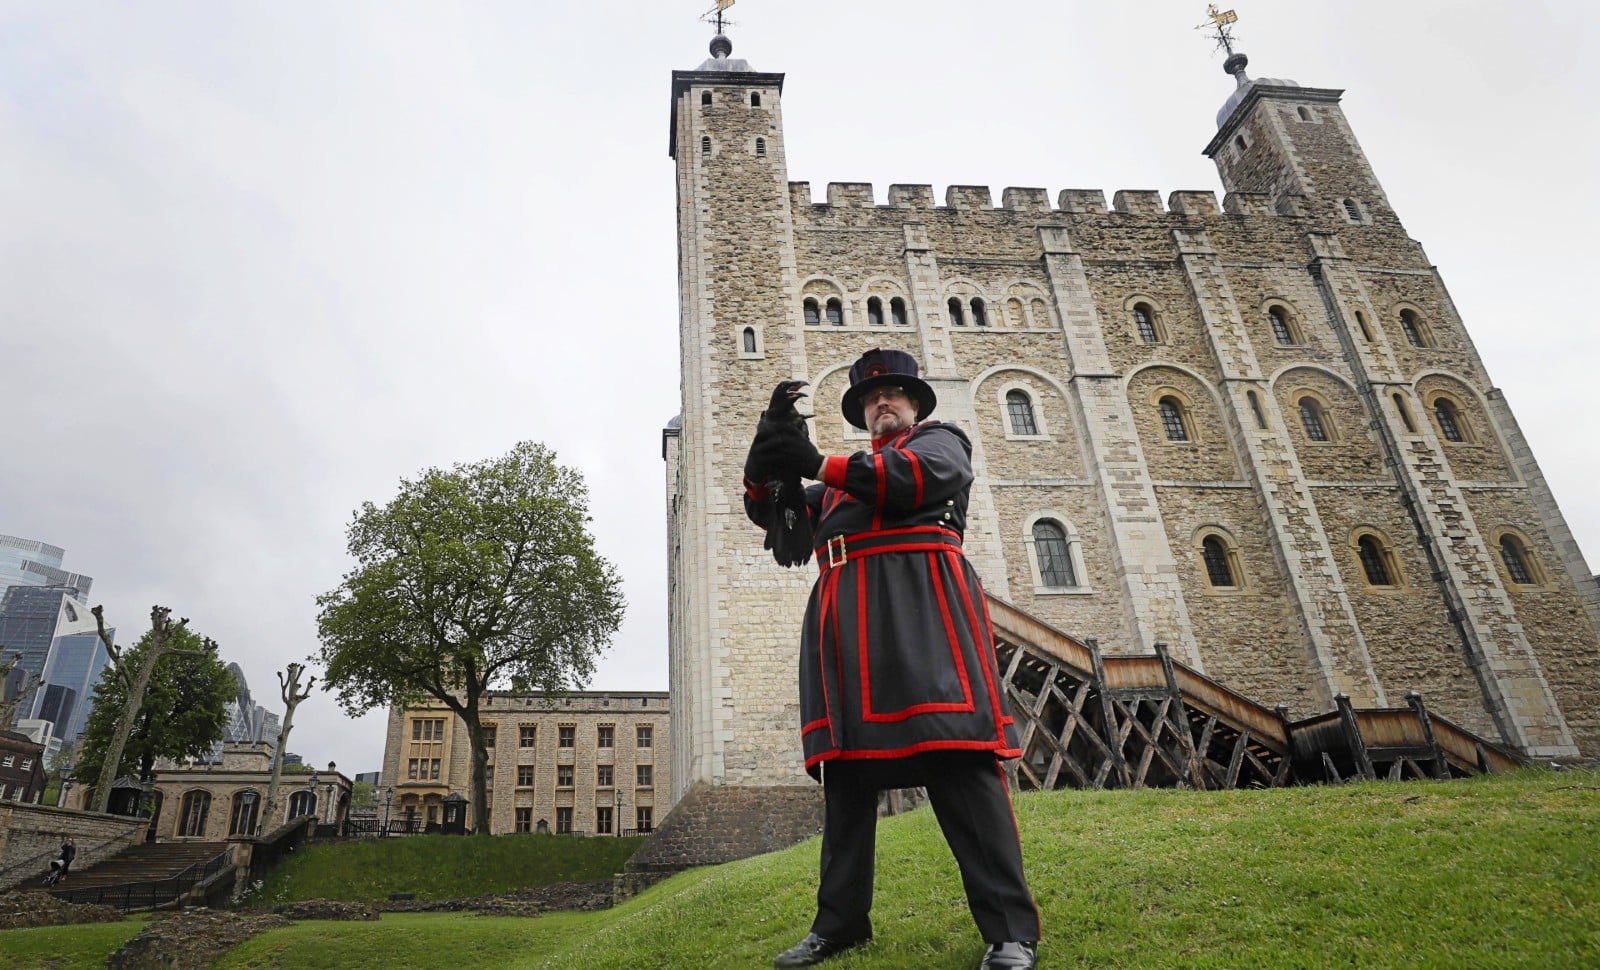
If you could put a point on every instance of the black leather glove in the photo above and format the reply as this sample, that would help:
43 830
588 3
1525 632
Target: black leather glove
786 451
756 470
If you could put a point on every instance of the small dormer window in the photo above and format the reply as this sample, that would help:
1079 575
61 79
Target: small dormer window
755 99
1305 113
705 99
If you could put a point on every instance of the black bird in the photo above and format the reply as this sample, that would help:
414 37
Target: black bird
789 532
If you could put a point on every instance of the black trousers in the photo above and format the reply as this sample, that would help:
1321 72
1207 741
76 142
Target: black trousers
969 798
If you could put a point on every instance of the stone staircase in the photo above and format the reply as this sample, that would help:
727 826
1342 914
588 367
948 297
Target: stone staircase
145 875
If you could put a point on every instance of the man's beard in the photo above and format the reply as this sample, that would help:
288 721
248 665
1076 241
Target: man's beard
886 423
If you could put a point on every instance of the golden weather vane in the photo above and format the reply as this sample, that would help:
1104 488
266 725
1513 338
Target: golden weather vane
714 15
1219 20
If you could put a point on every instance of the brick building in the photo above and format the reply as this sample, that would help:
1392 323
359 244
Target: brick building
580 762
1254 429
21 767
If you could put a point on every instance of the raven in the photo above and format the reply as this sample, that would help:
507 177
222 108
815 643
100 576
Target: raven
789 531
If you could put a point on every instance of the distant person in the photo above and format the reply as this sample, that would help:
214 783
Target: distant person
899 686
61 863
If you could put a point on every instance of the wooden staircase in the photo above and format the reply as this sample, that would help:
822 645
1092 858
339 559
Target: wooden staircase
1086 720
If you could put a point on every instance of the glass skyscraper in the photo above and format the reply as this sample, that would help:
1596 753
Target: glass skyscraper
29 562
31 617
76 663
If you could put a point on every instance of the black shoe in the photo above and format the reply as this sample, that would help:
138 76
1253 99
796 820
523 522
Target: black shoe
814 949
1011 956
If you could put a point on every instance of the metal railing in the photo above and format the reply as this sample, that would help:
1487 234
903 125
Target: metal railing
146 895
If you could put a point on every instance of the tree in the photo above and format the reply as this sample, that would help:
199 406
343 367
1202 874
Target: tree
289 688
180 712
481 576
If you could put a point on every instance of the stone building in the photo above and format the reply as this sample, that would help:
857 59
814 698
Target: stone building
21 767
1256 430
579 762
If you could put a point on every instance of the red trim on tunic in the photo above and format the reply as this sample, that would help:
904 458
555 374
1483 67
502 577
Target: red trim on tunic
918 748
819 723
916 472
757 492
883 492
987 632
834 470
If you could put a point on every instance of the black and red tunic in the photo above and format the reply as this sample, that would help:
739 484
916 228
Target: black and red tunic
897 653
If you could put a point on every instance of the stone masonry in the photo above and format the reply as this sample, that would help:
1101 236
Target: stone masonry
1279 381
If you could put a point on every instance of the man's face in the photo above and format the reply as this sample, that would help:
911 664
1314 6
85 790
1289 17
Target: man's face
888 410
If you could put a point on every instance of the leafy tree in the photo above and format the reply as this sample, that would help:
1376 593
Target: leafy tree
481 576
182 714
363 797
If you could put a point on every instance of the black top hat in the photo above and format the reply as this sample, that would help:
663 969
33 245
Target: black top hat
877 368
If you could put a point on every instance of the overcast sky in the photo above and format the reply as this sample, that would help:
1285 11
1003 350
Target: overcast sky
262 260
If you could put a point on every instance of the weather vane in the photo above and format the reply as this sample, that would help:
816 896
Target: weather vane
714 15
1220 20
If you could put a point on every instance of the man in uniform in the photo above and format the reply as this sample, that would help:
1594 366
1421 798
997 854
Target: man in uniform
898 679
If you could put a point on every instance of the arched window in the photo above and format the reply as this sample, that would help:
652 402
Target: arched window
1351 210
705 99
875 312
1361 322
1240 141
1312 419
1218 562
1281 330
1412 327
242 815
1405 413
1020 408
192 814
835 312
1255 408
1145 322
761 148
749 340
897 312
1517 559
980 313
1054 556
813 317
705 145
300 803
1449 420
1304 112
958 317
755 99
1172 419
1374 561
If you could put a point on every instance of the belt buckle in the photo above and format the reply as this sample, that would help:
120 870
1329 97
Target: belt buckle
837 555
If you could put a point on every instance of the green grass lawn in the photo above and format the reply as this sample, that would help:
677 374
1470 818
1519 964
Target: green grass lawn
1498 872
440 867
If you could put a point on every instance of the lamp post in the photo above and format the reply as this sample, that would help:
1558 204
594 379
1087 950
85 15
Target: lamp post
388 800
311 793
66 784
333 777
247 812
145 784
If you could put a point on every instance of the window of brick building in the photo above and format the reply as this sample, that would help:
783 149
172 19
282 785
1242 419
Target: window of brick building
897 312
1519 561
527 735
563 776
192 812
644 818
1377 561
1282 330
605 735
602 820
958 316
812 314
1055 560
1019 407
1172 419
1144 321
524 820
645 735
1411 325
491 733
566 735
875 312
1218 559
1313 420
835 312
524 776
602 776
564 821
644 776
1449 418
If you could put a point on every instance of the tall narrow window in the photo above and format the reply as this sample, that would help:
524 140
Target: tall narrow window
813 317
835 312
1449 420
980 314
761 148
192 813
1374 562
243 812
1361 322
1219 571
602 821
1405 414
1280 326
749 340
755 100
705 99
875 312
1305 113
1351 210
1020 408
1055 559
1511 553
1172 419
958 316
1145 323
705 145
1255 408
1311 418
897 312
1411 328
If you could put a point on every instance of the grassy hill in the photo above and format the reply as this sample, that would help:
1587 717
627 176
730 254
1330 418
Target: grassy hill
1498 872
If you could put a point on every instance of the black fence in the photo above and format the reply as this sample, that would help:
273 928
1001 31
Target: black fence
145 895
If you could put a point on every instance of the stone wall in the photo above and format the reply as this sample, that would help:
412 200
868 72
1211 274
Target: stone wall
31 835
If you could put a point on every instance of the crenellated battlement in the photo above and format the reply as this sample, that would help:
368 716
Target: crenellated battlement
1136 202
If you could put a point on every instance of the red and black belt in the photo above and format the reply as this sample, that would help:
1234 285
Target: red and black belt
840 549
